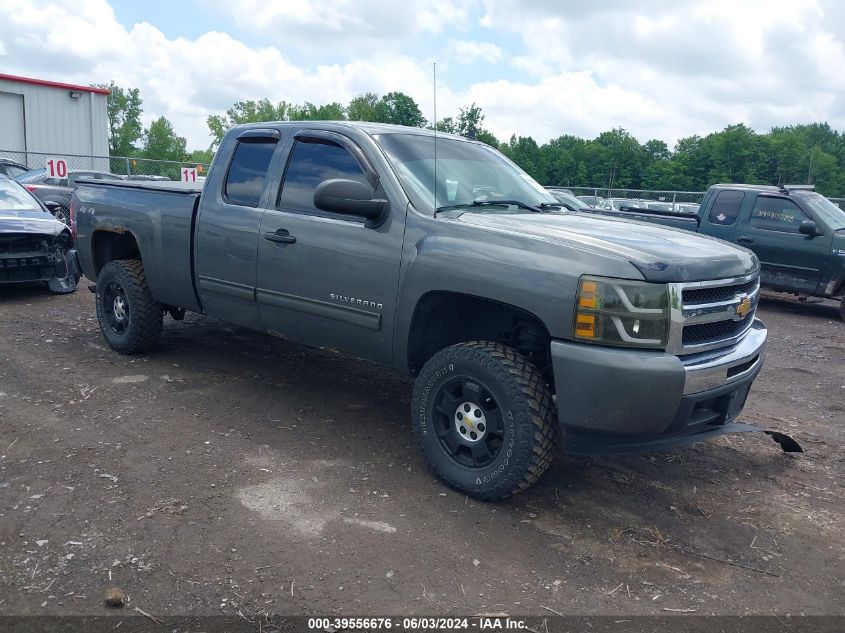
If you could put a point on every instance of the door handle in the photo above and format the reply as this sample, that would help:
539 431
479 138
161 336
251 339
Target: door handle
745 239
281 236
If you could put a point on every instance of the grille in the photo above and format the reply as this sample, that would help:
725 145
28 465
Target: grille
712 332
694 296
15 245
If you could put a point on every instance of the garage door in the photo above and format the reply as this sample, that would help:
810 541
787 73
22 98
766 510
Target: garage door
12 131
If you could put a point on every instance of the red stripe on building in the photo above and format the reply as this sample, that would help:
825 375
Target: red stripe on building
55 84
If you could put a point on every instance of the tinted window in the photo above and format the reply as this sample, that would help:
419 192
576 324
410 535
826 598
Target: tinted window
776 214
309 165
245 180
726 207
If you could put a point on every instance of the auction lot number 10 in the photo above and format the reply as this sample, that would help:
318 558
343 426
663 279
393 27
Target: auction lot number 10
56 168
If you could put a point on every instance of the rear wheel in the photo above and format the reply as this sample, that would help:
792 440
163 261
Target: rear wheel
130 319
485 419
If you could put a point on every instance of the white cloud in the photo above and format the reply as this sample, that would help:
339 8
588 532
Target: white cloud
661 69
469 52
343 25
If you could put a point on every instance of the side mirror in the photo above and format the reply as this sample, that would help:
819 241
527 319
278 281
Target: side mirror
339 195
808 227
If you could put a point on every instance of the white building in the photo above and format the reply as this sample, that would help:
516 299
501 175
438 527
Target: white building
39 118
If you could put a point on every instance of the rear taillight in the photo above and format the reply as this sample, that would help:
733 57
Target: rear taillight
30 187
72 214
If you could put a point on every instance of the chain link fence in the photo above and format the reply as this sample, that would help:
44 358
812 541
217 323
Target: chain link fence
131 167
648 195
652 195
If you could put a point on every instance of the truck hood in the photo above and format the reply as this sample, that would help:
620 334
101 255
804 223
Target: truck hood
37 222
661 254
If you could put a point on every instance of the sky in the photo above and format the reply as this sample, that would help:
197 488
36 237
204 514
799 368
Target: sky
659 68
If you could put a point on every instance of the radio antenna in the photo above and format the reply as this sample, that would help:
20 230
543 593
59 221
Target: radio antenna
434 71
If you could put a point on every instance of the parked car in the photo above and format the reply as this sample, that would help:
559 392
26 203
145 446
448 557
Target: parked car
339 235
687 208
568 200
592 201
34 245
59 190
658 206
798 234
12 168
618 204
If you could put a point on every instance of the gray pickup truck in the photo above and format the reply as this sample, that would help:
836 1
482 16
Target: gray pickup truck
523 323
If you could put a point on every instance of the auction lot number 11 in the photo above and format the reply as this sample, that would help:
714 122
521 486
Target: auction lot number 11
56 168
189 174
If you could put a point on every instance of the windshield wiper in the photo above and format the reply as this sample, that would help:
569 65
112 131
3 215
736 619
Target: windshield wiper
551 205
491 203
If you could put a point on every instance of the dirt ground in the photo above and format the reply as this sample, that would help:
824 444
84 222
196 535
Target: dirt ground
228 471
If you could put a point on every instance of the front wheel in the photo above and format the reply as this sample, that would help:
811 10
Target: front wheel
485 419
130 319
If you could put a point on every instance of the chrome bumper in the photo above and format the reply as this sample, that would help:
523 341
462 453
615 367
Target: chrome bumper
714 369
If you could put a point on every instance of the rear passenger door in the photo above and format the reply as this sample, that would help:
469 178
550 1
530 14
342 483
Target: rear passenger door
789 259
327 279
228 227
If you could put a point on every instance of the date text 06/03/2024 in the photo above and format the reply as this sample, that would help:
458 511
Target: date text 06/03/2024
417 623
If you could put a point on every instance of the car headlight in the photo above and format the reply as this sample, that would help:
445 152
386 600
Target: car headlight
621 312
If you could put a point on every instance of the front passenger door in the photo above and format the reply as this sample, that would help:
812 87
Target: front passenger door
789 260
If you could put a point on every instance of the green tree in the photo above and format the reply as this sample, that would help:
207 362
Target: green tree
249 111
124 112
447 125
400 109
363 107
469 121
161 142
524 151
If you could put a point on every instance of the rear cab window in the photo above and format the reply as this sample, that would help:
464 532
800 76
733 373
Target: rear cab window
247 173
726 207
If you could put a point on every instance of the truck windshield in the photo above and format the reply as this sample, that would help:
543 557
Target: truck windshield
833 216
466 173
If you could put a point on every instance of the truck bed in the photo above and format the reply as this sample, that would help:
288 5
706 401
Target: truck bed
160 216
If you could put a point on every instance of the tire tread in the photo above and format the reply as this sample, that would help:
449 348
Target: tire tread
542 414
146 312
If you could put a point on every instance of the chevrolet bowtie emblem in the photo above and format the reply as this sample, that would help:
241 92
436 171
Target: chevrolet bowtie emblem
743 308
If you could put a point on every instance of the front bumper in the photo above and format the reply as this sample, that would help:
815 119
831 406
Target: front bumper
614 400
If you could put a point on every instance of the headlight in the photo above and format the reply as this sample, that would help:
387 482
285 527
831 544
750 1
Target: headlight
621 312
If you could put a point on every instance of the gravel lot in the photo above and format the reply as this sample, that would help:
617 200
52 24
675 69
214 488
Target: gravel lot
228 471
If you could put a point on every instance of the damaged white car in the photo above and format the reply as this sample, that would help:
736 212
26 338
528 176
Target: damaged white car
34 245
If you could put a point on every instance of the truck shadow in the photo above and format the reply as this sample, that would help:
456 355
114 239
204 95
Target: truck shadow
18 291
368 403
623 515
